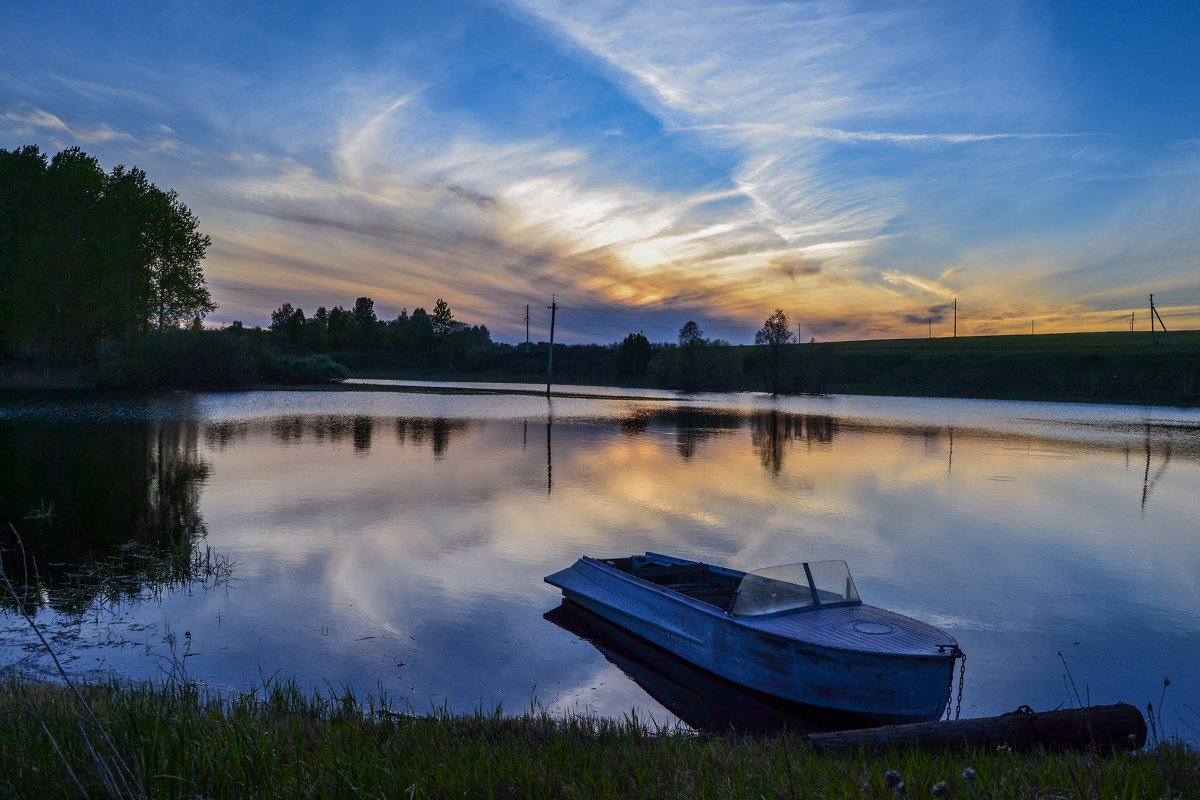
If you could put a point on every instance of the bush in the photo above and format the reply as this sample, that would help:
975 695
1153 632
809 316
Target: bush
175 359
301 369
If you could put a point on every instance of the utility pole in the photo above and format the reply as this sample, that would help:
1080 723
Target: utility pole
1153 336
550 363
1154 313
527 329
931 327
956 318
1131 313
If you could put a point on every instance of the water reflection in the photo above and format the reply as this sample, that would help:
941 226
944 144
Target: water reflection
772 431
96 510
401 539
702 700
1147 481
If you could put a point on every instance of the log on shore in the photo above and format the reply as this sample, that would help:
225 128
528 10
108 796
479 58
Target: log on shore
1118 726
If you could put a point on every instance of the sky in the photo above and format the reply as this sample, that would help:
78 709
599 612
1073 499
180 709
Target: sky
861 165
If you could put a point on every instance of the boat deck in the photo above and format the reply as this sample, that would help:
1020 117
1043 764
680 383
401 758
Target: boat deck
696 580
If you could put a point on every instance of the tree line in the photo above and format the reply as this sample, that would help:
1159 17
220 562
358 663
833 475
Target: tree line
89 257
435 343
426 339
697 363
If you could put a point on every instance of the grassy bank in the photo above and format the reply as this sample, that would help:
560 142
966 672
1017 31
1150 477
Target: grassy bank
177 741
1075 367
1128 367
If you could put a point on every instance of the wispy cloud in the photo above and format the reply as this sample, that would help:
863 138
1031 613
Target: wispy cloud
857 164
32 122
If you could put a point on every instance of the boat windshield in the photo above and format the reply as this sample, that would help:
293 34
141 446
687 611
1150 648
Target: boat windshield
794 586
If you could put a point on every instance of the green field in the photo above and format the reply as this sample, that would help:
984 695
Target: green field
1087 367
1071 367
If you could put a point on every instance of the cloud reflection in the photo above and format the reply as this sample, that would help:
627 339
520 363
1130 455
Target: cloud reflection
371 555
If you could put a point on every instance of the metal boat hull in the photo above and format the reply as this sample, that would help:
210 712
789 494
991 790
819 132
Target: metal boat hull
818 661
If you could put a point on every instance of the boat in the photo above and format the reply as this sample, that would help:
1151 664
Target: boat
699 699
797 632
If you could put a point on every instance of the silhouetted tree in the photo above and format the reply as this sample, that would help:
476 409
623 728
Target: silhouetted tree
87 257
774 334
289 323
633 355
365 320
316 331
420 333
342 329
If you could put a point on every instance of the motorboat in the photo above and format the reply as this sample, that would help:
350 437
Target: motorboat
798 632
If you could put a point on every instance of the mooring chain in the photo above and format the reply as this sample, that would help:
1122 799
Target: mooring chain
962 669
962 674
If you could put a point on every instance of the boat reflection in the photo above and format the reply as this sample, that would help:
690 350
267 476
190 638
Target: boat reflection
700 699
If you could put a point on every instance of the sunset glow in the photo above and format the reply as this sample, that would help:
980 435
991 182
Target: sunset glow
861 166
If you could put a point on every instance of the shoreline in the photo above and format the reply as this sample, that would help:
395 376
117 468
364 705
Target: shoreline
1108 368
176 739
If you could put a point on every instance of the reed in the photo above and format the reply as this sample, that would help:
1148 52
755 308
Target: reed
182 740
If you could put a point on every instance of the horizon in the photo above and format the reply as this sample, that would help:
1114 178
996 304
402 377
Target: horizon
649 164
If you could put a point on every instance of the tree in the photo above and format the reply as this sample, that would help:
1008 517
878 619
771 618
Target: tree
177 247
774 334
442 319
22 178
289 322
368 324
420 333
65 252
316 331
341 328
87 256
690 334
693 359
776 331
633 355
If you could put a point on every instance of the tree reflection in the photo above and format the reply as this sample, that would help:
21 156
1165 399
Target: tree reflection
693 426
103 510
359 431
435 432
770 431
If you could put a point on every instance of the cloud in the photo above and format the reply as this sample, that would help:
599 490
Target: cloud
36 122
902 280
649 163
480 200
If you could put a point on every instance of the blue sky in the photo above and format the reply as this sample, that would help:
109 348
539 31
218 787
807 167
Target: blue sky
859 165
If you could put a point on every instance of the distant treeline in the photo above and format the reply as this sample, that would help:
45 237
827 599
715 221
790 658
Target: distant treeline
1091 367
435 344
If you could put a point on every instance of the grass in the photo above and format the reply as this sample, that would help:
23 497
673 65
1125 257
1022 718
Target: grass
178 740
1096 367
1124 367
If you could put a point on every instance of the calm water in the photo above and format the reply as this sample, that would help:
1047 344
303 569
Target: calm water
396 542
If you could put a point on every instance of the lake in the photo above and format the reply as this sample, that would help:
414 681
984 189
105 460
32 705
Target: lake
394 542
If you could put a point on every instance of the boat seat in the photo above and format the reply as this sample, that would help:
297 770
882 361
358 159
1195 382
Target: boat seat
719 596
659 574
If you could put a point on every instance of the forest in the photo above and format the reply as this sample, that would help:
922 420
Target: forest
89 257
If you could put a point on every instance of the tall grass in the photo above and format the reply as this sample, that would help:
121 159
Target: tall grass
185 741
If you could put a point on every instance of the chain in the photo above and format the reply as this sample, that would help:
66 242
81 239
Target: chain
962 669
962 674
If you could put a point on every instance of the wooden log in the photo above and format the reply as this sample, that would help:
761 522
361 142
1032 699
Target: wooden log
1118 726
